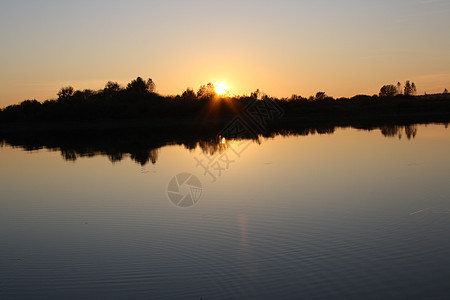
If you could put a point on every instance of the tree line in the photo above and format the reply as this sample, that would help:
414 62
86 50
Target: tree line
390 90
139 99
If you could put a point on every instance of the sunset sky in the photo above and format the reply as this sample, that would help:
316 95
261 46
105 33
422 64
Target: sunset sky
282 47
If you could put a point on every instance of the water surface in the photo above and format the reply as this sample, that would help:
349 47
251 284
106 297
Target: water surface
353 214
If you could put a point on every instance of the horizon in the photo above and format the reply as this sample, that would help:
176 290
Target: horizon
222 91
283 48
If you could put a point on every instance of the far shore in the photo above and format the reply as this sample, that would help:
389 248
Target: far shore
289 119
214 115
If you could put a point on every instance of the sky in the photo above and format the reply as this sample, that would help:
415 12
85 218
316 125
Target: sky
281 47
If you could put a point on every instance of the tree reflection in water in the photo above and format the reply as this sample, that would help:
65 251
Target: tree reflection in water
143 145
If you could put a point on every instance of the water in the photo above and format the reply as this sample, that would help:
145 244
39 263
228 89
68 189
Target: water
349 215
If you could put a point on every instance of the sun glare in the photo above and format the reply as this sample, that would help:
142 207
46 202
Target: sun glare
221 88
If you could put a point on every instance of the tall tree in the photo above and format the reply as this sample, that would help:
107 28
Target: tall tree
410 88
151 86
388 90
139 86
414 89
399 88
206 91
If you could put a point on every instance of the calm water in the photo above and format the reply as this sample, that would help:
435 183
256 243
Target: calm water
352 214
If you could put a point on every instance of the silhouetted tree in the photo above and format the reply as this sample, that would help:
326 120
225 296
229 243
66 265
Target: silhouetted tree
410 88
151 86
139 86
206 91
256 94
88 93
65 93
111 88
188 94
388 90
320 96
29 103
445 91
295 97
399 88
414 88
361 98
83 95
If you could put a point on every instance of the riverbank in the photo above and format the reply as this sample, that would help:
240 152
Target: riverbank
213 117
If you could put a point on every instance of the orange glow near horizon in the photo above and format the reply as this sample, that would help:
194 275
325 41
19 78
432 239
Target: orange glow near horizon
193 44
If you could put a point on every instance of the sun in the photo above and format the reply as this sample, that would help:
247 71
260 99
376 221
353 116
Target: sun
221 88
